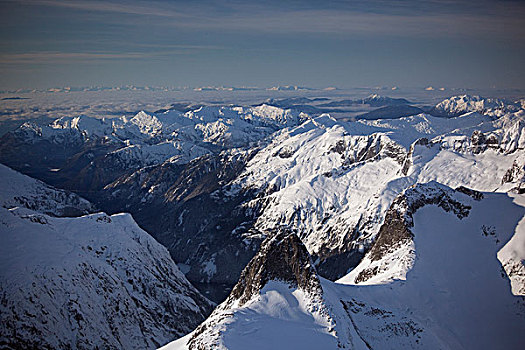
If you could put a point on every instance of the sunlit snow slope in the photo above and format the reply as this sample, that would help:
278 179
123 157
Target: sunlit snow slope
84 282
334 181
438 285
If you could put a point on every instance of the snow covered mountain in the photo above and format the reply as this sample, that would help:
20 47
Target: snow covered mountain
458 105
424 287
376 100
21 191
84 282
97 158
331 181
85 144
287 198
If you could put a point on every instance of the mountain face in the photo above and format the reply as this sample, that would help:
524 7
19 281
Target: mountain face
458 105
333 182
242 172
401 213
387 107
282 265
433 288
22 191
453 255
94 281
148 164
205 230
376 100
282 257
72 149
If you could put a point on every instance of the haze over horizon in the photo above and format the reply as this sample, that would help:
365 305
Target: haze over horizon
49 43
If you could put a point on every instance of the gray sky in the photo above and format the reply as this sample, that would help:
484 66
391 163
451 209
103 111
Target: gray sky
451 43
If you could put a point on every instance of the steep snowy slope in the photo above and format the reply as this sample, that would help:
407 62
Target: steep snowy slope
452 294
461 104
21 191
84 282
278 302
445 255
84 154
334 181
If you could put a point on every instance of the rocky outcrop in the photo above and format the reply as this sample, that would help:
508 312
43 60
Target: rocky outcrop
515 173
282 257
395 231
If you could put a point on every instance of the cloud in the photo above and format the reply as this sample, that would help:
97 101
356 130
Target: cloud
409 18
134 8
336 22
69 57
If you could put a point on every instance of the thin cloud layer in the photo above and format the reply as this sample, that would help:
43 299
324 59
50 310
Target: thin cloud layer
305 42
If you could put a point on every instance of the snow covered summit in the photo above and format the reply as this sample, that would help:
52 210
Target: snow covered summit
461 104
431 281
271 305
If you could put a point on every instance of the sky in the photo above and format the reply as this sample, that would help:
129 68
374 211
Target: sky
450 43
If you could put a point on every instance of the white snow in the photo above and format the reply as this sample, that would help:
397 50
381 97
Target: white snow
316 177
455 284
281 317
466 103
94 280
451 294
152 139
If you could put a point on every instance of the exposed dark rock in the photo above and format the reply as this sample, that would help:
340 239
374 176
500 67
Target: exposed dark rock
472 193
339 147
282 257
407 162
514 173
478 141
284 152
396 229
336 265
492 140
477 138
377 147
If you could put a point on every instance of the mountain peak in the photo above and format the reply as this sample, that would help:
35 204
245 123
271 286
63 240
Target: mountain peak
460 104
376 100
282 257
